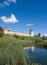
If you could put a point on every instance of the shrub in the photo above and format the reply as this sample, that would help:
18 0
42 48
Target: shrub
16 36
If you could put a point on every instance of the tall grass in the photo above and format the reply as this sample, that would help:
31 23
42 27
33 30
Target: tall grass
11 52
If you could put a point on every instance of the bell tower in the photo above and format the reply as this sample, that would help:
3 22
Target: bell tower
31 32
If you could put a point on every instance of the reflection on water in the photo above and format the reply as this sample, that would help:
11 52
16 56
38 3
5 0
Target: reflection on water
32 49
37 55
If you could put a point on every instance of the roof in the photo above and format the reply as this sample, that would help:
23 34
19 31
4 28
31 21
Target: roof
31 30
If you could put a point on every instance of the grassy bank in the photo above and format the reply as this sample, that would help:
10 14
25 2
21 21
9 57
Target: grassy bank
11 50
29 41
24 41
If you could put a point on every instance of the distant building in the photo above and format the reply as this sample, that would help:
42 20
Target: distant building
31 32
6 31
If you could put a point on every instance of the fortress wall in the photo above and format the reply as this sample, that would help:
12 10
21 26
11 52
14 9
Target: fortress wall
19 34
22 34
6 31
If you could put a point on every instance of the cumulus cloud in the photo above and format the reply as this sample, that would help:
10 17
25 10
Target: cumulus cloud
7 2
11 19
29 24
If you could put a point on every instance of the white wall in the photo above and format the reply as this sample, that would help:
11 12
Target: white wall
19 34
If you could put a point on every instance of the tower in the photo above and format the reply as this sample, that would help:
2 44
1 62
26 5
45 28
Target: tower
31 32
5 30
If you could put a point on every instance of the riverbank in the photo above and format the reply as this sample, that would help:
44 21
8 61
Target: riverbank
19 44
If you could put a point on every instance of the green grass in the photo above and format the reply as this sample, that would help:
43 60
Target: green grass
11 49
24 41
11 52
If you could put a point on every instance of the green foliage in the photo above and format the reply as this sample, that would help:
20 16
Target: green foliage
38 39
11 52
39 34
11 49
44 38
16 36
1 31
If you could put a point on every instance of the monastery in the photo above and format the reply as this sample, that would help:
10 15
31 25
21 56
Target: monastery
7 31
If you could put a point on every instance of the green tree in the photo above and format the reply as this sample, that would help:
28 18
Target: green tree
39 34
1 31
44 37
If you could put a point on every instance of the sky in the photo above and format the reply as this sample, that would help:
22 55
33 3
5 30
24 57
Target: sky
23 15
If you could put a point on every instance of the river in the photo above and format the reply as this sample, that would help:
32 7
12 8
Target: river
37 55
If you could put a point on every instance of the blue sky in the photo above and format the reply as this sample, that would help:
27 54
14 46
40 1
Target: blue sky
16 14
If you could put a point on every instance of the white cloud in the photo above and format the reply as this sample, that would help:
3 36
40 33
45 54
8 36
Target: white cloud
11 19
7 2
45 34
29 24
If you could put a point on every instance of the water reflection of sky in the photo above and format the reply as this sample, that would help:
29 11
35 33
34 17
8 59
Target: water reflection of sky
40 55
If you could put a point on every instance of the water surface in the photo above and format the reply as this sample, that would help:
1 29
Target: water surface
38 55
